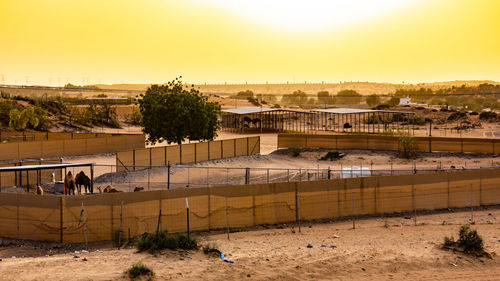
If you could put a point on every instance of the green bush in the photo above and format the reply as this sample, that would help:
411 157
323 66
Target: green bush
211 249
408 146
162 240
294 152
134 118
139 269
469 239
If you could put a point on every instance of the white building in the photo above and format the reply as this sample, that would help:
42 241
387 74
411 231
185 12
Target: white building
405 101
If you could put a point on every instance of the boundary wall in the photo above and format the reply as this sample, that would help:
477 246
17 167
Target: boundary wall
186 153
58 218
39 136
70 147
428 144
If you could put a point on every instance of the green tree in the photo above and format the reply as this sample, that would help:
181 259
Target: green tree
297 97
372 100
393 101
325 98
19 119
348 97
172 112
243 95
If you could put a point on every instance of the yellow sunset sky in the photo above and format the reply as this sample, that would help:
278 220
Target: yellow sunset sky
214 41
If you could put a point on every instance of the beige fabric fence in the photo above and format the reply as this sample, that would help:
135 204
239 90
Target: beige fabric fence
186 153
434 144
44 136
70 147
58 218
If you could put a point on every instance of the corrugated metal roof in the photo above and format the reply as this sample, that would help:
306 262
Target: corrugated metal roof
42 167
249 110
357 110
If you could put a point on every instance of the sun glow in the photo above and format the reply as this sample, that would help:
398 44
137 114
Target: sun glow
311 14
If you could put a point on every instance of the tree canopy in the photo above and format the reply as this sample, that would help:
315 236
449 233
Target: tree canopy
173 112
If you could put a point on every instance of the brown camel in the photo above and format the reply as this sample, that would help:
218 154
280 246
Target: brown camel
82 179
69 184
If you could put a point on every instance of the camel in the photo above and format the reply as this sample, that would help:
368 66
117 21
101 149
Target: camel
69 184
82 179
39 190
107 189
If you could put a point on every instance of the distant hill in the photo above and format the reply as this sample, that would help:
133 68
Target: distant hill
365 88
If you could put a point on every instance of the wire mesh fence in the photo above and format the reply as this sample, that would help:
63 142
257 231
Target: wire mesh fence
187 176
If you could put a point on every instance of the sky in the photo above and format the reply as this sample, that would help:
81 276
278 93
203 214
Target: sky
53 42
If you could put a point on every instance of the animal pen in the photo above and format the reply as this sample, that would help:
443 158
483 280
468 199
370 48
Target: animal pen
255 119
20 175
75 219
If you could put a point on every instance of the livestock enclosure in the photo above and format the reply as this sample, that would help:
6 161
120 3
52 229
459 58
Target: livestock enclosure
186 153
59 218
426 144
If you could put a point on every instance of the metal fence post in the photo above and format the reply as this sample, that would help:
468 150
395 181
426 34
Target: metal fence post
471 208
187 216
227 219
353 218
414 193
168 175
247 175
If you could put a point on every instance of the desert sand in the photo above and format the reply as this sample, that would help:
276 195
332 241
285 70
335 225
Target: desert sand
390 248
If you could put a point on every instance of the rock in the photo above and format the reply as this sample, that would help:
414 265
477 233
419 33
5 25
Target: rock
75 256
77 252
13 257
363 269
459 257
248 275
267 259
453 264
0 259
336 236
407 218
84 259
333 246
161 261
85 251
181 259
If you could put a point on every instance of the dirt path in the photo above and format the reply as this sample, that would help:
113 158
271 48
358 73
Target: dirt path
375 250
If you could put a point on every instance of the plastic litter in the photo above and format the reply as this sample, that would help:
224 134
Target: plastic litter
85 251
226 260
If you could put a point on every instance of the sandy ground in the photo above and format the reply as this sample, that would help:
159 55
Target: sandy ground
390 248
